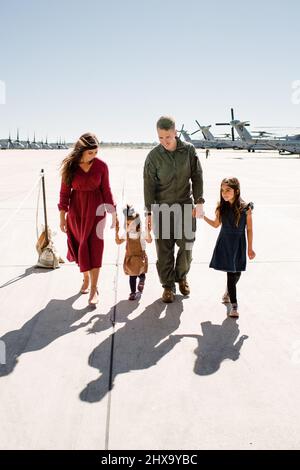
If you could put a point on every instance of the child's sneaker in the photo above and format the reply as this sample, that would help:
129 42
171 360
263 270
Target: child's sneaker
234 311
141 285
132 296
226 298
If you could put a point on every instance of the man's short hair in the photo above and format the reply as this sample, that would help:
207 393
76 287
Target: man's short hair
165 123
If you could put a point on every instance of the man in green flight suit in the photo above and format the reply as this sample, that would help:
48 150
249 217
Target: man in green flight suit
173 192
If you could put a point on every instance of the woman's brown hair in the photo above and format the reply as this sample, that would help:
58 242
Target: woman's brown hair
87 141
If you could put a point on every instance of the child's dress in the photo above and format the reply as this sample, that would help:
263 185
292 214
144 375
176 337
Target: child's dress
136 260
230 251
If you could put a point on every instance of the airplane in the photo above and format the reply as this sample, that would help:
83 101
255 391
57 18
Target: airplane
285 145
12 144
17 144
6 144
210 141
34 144
59 145
46 145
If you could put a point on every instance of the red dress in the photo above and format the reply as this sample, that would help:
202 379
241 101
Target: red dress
87 193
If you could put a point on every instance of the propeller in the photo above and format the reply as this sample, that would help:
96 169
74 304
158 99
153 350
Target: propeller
262 133
201 128
180 132
245 123
225 135
228 124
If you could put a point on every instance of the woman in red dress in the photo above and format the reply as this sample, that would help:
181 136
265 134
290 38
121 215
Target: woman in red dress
85 196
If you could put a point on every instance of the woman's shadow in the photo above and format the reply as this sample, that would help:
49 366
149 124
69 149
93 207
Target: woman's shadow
27 272
55 320
52 322
139 344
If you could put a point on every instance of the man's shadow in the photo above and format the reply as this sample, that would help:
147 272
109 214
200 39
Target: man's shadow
216 344
52 322
138 345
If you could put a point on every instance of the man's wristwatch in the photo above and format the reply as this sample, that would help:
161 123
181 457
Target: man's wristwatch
200 200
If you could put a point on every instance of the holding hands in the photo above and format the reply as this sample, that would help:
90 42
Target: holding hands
198 211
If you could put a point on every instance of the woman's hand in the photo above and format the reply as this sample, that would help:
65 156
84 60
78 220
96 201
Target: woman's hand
63 222
117 224
114 221
251 253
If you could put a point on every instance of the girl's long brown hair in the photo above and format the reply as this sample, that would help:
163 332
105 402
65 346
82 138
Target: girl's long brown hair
87 141
238 203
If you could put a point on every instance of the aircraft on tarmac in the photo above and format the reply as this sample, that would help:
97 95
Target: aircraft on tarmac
33 144
209 141
285 145
6 144
45 144
12 144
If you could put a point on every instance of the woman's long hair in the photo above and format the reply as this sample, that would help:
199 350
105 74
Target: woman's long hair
238 204
87 141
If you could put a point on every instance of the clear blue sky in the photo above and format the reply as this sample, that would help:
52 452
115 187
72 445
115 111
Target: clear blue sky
115 66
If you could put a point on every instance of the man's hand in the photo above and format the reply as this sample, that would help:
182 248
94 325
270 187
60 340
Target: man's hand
198 211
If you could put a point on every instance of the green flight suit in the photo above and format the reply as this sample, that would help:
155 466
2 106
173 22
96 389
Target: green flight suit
173 180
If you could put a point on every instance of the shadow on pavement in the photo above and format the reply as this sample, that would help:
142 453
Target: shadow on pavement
52 322
139 344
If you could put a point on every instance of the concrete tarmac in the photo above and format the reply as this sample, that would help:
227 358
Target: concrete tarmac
143 374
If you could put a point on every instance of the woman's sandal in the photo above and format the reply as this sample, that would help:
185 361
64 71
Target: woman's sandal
82 290
95 300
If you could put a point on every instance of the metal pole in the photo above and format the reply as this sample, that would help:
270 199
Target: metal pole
45 211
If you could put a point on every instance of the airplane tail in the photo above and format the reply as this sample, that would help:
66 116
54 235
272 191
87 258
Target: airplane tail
243 133
186 135
206 133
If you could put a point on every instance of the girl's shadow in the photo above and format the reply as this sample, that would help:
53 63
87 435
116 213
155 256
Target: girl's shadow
216 344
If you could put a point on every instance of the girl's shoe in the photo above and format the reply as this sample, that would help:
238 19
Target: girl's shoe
226 298
141 286
94 299
132 296
234 311
85 287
